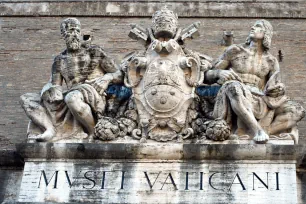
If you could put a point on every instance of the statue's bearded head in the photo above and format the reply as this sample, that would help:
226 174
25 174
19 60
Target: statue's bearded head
71 32
164 23
261 30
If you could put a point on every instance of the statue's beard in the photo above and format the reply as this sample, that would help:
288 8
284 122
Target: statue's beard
73 43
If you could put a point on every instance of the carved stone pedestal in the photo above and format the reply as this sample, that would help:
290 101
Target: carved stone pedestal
158 173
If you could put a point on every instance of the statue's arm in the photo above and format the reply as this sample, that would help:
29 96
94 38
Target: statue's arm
112 72
52 91
212 75
111 69
221 70
107 65
274 87
274 68
56 77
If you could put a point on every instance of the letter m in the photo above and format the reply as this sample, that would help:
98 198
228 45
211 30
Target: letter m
43 175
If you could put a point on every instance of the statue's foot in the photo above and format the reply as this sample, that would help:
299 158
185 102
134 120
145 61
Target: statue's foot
46 136
261 137
91 138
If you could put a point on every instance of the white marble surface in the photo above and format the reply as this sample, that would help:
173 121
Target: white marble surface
220 182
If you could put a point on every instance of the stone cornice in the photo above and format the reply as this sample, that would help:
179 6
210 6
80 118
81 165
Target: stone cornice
154 151
160 151
205 9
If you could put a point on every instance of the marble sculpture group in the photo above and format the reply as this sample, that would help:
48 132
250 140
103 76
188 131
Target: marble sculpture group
167 92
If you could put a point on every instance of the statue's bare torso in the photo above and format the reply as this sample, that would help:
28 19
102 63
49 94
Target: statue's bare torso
76 69
253 69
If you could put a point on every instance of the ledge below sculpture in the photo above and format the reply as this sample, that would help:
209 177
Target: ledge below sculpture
129 140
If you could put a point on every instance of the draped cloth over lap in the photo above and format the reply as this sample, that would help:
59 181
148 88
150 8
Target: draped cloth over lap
65 123
91 97
263 107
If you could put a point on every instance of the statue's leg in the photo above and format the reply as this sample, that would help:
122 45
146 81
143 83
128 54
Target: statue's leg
286 118
243 109
80 110
30 102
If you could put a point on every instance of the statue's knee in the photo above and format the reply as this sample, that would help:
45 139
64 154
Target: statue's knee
29 97
75 102
30 101
23 98
73 98
234 90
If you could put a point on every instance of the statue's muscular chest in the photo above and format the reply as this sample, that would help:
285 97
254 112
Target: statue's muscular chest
75 69
251 63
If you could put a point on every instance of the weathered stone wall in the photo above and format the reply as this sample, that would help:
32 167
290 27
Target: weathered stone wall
10 181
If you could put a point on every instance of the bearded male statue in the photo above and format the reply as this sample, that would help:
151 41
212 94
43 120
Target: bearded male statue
252 98
72 113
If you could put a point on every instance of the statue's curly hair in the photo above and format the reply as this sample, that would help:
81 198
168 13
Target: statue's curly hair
65 23
268 34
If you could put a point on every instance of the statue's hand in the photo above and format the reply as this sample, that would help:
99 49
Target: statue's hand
101 83
227 75
275 91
